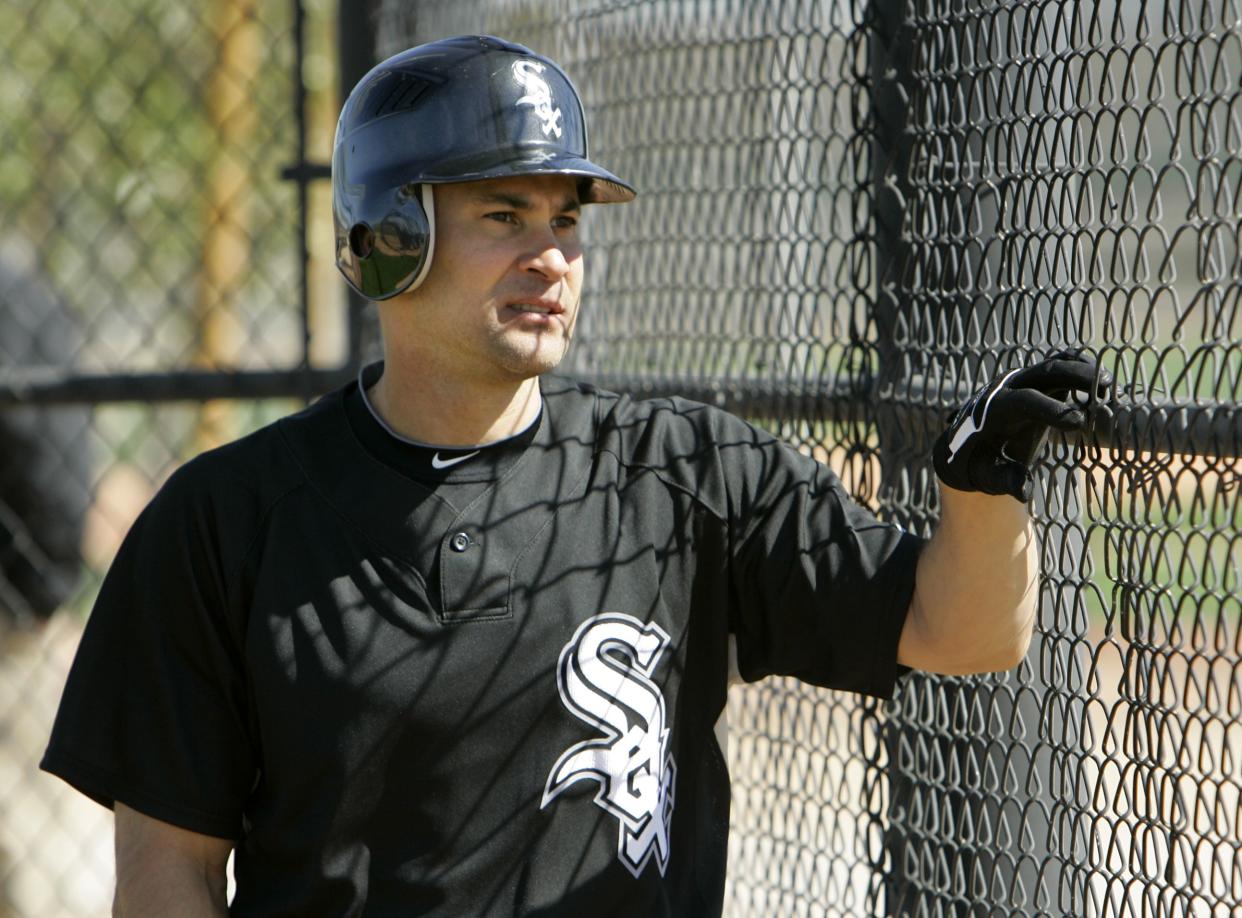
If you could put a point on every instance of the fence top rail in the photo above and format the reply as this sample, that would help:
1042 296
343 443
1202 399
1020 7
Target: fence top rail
1204 427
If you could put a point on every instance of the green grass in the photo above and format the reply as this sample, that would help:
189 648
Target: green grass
1166 559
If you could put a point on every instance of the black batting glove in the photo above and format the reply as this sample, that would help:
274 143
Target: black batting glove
995 438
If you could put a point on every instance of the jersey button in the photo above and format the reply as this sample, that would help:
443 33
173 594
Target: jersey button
460 542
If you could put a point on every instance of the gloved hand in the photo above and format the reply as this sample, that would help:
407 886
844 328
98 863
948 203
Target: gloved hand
996 437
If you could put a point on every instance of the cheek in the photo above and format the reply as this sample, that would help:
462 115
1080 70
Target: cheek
576 273
461 268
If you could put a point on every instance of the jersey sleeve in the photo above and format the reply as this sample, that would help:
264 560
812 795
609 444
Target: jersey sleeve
810 583
155 710
815 585
819 586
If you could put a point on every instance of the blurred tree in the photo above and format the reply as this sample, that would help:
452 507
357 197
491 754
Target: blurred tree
141 144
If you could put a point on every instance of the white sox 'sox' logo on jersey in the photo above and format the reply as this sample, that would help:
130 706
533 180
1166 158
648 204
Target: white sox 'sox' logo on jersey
538 95
604 679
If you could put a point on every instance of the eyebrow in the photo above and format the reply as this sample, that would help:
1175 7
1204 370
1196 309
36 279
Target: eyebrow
518 202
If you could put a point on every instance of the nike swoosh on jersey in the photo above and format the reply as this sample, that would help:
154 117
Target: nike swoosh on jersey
438 463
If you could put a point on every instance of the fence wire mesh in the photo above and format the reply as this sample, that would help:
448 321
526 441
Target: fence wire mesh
851 215
144 227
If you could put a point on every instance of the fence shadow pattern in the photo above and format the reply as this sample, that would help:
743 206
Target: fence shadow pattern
851 214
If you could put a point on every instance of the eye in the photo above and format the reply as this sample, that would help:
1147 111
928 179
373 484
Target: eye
565 221
502 216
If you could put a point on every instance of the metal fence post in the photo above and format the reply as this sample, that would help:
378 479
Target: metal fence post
984 874
902 490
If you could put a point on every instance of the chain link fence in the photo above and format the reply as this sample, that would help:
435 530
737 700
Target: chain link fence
850 215
853 214
146 233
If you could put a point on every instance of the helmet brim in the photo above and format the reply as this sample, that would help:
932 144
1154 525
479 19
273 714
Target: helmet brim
603 187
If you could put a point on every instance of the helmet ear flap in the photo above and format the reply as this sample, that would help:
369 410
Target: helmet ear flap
384 244
428 201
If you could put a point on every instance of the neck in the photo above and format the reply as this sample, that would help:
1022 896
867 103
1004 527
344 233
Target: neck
435 411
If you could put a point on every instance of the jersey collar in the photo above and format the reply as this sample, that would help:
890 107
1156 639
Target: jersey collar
427 462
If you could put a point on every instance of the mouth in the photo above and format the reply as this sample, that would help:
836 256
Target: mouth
543 307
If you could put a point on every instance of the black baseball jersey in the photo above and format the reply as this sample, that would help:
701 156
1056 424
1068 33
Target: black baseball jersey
484 688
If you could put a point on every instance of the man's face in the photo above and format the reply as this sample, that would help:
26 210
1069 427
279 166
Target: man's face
501 298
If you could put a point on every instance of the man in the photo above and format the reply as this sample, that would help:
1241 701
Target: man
453 640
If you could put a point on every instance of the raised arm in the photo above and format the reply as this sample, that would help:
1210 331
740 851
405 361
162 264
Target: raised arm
975 596
164 870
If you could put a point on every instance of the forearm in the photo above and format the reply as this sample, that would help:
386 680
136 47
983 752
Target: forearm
165 871
182 892
975 593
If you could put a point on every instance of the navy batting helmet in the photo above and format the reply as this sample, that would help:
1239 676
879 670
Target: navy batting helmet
458 110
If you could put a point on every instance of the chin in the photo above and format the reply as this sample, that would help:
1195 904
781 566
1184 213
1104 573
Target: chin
527 365
535 359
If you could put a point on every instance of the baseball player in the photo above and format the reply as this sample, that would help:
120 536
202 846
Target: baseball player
452 640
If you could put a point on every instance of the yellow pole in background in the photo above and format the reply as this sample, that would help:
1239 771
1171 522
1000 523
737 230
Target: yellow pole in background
226 241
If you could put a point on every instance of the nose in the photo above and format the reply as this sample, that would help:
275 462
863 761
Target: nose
547 257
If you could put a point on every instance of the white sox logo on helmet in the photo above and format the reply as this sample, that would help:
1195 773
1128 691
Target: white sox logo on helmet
538 95
604 680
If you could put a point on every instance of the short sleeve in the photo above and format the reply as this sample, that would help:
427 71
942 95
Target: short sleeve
155 710
820 586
